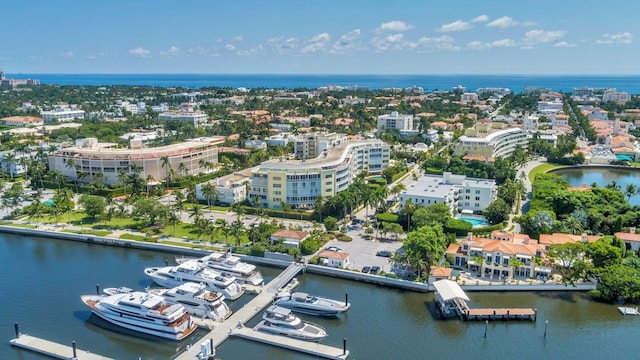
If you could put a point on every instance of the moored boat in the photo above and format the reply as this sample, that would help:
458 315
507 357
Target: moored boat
226 262
312 305
143 312
281 321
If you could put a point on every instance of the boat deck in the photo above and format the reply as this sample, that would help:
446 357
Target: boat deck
628 310
53 349
501 314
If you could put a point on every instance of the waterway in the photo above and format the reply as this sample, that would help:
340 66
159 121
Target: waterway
42 280
602 176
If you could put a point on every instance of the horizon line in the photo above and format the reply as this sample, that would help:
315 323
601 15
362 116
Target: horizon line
312 74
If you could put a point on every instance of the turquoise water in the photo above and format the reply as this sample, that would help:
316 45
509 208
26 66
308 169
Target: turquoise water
474 222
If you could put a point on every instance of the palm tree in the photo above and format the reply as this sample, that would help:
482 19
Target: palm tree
196 212
479 262
182 168
515 265
285 207
123 177
408 209
71 164
225 230
318 205
210 193
10 160
166 164
630 190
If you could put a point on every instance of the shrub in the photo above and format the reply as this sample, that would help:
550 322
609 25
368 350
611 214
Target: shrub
345 238
458 227
387 217
310 246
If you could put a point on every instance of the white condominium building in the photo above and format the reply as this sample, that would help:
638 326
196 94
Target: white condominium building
456 191
299 183
91 157
193 117
395 121
62 114
312 145
499 144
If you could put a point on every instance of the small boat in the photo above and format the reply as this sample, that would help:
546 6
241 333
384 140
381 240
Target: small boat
226 262
192 271
143 312
312 305
281 321
194 297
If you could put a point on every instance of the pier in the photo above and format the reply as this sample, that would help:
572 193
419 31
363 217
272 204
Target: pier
452 302
234 325
53 349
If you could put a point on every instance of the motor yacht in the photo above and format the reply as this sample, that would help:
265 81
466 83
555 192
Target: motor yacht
312 305
226 262
143 312
192 271
194 297
281 321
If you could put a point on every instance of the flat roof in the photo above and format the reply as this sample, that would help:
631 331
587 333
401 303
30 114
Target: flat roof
429 186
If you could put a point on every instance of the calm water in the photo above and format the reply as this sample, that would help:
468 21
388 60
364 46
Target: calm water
42 280
602 176
516 83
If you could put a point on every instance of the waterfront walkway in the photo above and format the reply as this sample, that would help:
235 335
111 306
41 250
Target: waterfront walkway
221 331
53 349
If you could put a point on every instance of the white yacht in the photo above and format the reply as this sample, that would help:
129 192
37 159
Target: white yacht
192 271
281 321
197 300
226 262
312 305
143 312
194 297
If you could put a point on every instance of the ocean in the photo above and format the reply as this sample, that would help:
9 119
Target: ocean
517 83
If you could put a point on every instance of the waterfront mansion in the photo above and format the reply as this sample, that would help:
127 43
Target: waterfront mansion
458 192
299 183
90 157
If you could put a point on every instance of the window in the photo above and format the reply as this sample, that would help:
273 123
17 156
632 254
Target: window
477 198
477 191
477 205
277 193
277 186
277 178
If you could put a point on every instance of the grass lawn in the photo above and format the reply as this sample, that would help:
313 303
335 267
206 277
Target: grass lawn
541 169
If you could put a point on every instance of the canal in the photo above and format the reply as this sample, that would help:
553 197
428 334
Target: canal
42 280
602 176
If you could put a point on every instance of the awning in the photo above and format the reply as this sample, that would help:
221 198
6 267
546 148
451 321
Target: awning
449 290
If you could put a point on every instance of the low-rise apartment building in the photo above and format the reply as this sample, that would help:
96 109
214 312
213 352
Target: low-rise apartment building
299 183
395 121
456 191
499 144
91 157
62 114
230 189
194 117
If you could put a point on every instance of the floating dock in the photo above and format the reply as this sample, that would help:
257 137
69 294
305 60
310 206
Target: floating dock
628 310
234 325
309 347
53 349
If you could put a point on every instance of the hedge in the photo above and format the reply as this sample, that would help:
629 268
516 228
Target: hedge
458 227
387 217
487 229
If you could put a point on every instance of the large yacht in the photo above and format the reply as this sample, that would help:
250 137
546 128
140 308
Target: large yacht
192 271
143 312
226 262
280 320
194 297
312 305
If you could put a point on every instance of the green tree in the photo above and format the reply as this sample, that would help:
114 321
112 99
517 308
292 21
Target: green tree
436 214
427 242
94 206
330 223
408 209
497 212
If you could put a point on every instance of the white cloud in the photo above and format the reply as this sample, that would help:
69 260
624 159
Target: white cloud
281 45
238 38
141 52
529 23
67 54
317 43
479 45
443 42
543 36
172 52
382 43
481 18
619 38
394 26
457 25
202 51
503 22
230 47
347 42
564 44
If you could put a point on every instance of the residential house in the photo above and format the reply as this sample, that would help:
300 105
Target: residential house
288 237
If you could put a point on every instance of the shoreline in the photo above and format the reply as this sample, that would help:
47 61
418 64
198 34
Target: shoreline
315 269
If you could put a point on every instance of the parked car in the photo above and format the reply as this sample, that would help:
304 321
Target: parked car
374 270
384 253
334 248
365 269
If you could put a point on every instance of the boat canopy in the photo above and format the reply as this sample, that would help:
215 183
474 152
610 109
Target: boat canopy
449 290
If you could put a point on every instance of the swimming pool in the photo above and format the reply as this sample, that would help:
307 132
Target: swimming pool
474 221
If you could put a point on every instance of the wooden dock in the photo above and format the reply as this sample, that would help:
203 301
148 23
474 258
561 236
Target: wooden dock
308 347
220 331
501 314
53 349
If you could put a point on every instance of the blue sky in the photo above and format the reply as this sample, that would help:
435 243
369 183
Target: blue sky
320 37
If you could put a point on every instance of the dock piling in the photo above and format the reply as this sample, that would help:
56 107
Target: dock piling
97 289
346 299
17 330
344 346
73 345
166 262
486 325
213 349
546 322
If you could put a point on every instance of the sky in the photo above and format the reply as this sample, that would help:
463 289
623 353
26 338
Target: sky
320 37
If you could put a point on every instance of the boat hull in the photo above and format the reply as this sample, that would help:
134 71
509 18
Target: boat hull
300 335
